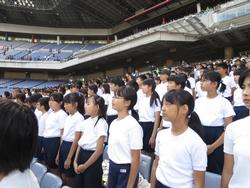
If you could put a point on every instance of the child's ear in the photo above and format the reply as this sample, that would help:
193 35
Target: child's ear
185 108
127 103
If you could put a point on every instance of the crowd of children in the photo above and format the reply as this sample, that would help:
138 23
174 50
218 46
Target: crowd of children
190 120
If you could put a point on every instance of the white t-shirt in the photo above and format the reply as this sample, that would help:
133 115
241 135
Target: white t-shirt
229 82
140 95
236 140
237 97
105 97
212 111
166 124
41 123
18 179
162 89
54 124
124 135
188 90
70 126
99 92
110 110
145 111
192 82
179 156
92 132
38 113
199 91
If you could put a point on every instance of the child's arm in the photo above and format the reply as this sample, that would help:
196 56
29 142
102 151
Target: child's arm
153 172
72 150
199 179
75 160
154 133
135 154
94 156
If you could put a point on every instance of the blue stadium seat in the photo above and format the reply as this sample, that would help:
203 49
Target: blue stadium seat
105 153
39 170
145 166
212 180
50 180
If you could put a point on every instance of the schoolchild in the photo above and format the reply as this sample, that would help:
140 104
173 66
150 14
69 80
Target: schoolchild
236 171
149 114
125 141
71 135
215 113
181 154
53 131
88 158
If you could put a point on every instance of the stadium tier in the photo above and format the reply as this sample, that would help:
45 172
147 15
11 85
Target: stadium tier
15 50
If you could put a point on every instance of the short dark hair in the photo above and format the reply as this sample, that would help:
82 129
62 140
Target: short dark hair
18 136
243 76
117 81
93 88
44 101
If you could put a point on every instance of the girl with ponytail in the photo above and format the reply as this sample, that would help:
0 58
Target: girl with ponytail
125 141
215 113
149 108
180 153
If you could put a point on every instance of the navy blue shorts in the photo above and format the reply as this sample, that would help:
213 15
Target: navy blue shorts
51 146
240 112
92 176
147 128
160 185
63 154
118 175
215 159
39 153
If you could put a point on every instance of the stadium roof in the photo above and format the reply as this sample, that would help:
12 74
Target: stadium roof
86 13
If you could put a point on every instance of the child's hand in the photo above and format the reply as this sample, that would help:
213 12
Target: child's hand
67 163
57 159
81 168
76 167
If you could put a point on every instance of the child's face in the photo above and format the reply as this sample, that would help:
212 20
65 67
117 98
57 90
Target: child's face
205 84
90 107
169 111
54 105
70 108
236 78
171 85
246 92
146 89
90 93
118 103
221 71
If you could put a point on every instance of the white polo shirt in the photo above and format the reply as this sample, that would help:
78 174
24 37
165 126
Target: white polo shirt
92 132
212 111
54 124
18 179
145 111
70 126
41 123
236 140
124 135
179 157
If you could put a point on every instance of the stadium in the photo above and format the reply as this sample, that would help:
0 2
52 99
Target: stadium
49 45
